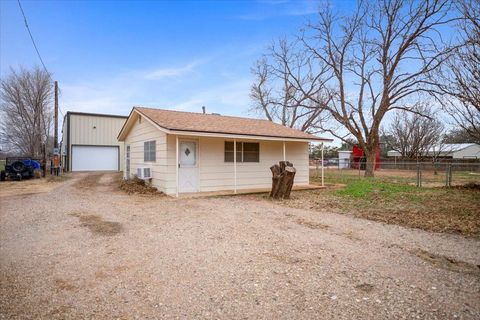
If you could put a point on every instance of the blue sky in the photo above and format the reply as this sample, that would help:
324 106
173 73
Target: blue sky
110 56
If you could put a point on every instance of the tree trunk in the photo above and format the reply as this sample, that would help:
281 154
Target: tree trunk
370 164
282 180
276 175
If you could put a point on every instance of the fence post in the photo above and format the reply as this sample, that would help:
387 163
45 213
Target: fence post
421 172
418 175
323 168
448 176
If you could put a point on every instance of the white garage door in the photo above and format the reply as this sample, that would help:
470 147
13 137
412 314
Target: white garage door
93 158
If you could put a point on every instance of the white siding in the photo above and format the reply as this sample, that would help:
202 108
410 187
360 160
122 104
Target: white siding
139 133
95 130
216 174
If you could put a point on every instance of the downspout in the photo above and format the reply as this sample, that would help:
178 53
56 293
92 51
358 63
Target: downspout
284 152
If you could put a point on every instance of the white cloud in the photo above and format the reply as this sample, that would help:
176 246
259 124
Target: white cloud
169 72
107 100
120 93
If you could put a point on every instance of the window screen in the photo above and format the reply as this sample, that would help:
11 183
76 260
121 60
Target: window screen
149 151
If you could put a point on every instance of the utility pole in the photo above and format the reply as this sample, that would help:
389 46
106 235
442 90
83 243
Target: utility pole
56 154
55 143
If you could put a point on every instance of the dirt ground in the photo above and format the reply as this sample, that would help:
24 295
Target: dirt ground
25 187
86 250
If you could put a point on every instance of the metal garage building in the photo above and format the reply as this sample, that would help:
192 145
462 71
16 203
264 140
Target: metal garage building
89 142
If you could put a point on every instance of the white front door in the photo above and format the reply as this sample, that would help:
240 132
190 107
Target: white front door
187 166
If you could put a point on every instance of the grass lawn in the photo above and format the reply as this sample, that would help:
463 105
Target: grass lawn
396 200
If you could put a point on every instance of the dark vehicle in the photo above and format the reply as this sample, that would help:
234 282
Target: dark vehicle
19 168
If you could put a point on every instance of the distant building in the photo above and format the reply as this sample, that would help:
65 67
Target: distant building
344 159
359 158
453 151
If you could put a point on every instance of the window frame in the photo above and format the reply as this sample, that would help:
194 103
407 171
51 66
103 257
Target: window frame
148 151
255 152
240 152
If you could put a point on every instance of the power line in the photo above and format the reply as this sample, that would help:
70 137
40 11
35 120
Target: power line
36 48
33 41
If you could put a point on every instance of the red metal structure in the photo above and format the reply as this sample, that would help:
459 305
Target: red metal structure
359 159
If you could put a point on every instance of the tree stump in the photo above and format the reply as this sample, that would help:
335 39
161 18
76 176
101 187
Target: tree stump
283 175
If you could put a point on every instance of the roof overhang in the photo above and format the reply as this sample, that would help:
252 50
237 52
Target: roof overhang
131 119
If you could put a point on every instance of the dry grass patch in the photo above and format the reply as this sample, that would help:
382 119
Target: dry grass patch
469 186
97 225
61 284
89 181
365 287
311 224
26 187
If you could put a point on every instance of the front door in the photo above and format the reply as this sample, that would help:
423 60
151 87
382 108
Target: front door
187 166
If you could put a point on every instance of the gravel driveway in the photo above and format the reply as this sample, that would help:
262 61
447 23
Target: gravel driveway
87 250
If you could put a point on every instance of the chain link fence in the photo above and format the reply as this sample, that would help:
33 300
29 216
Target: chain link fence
421 174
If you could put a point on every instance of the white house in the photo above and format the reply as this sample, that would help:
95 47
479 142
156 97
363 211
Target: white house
197 152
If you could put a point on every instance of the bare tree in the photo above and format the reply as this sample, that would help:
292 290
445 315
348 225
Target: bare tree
415 135
381 58
459 135
26 111
459 83
285 82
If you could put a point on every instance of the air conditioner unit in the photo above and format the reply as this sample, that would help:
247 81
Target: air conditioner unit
144 173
